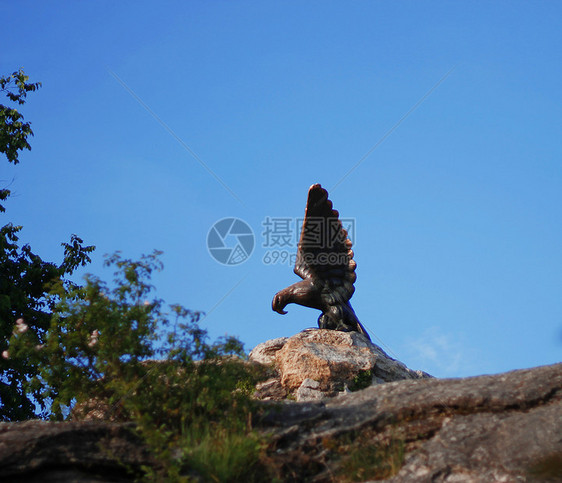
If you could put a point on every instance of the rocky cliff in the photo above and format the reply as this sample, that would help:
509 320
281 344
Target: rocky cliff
317 364
505 427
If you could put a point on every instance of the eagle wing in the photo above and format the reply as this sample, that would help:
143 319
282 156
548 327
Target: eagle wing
324 252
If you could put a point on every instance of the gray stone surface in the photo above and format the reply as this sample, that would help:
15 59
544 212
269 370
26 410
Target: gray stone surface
86 451
310 390
270 390
264 353
505 427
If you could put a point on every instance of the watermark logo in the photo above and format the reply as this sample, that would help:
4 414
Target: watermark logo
279 232
281 236
230 241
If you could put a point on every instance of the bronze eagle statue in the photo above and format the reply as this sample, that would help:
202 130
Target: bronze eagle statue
325 264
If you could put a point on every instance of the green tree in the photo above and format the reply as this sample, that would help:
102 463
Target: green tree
24 282
24 276
114 350
13 130
65 347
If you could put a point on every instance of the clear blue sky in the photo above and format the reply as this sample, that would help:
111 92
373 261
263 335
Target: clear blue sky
458 211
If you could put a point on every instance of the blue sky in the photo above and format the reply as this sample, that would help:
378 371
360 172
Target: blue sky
457 212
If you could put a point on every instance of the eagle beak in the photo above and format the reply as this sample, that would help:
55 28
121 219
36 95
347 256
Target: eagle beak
277 305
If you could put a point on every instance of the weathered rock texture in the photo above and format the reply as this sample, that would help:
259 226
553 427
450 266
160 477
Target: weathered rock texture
320 363
87 451
265 352
505 427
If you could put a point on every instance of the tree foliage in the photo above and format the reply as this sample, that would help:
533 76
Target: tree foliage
112 347
25 277
13 130
116 351
24 281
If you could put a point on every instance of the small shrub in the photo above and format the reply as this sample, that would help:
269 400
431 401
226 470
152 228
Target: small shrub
190 399
361 459
362 380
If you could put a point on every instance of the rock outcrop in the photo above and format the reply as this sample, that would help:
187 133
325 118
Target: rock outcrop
496 428
316 364
500 428
86 451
